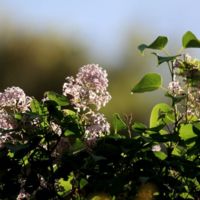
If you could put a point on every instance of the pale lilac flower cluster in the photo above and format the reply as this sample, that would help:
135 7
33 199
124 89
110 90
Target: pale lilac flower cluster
156 148
12 100
89 88
96 127
193 62
193 103
187 70
88 93
55 128
175 89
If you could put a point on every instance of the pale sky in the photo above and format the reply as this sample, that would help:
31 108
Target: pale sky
103 24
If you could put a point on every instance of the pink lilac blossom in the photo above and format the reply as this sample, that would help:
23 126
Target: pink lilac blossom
89 88
15 99
12 100
193 103
88 93
7 123
96 126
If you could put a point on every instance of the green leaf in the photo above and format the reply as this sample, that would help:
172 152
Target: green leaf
189 40
186 132
161 114
36 107
149 82
186 195
68 133
161 155
118 123
77 147
163 59
65 184
18 116
159 43
137 126
83 183
61 100
102 196
179 151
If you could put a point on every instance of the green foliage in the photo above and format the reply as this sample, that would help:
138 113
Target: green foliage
149 82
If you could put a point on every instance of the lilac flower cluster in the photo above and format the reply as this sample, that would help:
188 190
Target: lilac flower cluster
88 88
96 127
88 93
187 70
175 89
12 100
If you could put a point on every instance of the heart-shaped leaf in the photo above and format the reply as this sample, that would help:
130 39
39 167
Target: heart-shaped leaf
149 82
189 40
159 43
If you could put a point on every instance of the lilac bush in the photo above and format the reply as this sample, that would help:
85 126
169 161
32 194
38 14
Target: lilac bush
62 147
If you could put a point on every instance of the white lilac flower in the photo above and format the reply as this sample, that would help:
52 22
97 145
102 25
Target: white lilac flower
55 128
14 98
193 62
89 88
174 88
156 148
7 124
193 102
96 127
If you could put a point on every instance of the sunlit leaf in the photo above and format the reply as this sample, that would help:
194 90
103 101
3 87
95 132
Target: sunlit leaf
161 155
186 132
68 133
189 40
161 114
149 82
36 107
59 99
65 184
178 151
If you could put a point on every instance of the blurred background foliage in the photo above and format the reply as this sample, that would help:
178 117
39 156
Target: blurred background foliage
40 61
